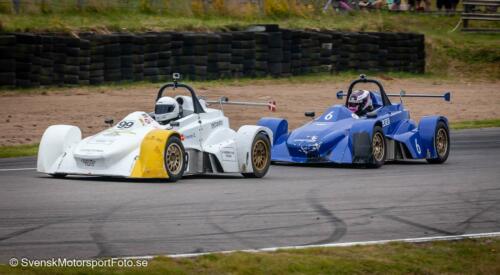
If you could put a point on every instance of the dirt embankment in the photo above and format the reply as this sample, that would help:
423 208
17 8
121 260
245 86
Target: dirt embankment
23 118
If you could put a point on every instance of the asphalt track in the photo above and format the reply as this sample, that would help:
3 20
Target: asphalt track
42 217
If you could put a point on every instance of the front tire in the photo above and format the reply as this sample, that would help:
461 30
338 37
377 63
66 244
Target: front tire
379 148
174 159
260 156
441 143
58 175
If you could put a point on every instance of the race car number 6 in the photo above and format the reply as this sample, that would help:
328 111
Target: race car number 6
329 116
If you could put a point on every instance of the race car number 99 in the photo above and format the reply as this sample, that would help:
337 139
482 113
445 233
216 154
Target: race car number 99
125 124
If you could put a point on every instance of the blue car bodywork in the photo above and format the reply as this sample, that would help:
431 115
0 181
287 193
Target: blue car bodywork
340 136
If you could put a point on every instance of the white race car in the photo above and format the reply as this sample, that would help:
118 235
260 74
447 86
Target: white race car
182 137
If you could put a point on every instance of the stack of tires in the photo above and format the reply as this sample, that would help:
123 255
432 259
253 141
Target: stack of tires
84 73
326 45
36 65
7 60
194 59
46 61
96 67
219 56
367 50
151 56
275 53
164 56
72 61
296 50
306 51
24 56
112 59
261 54
243 53
349 58
59 59
336 44
138 57
176 46
315 52
127 47
419 40
286 63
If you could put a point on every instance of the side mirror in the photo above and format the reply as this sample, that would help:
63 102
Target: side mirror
109 121
340 94
310 114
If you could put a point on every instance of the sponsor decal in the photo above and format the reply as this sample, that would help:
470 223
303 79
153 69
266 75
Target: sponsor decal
386 122
216 124
228 154
309 144
88 162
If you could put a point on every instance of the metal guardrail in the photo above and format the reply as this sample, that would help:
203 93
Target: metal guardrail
488 13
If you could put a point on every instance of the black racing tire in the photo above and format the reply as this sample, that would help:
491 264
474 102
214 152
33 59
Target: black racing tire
58 175
441 143
174 159
379 148
260 156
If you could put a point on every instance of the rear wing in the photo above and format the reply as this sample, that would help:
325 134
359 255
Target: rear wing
271 105
446 96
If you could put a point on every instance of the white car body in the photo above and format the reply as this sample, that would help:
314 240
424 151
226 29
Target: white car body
211 145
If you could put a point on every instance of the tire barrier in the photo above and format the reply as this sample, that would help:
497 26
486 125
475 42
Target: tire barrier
32 60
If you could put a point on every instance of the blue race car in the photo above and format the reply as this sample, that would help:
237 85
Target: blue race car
342 136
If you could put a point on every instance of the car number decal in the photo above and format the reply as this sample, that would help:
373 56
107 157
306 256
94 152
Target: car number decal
125 124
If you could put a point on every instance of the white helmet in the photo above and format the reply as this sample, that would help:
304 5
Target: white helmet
360 102
166 109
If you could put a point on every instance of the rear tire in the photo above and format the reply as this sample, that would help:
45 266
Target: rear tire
441 143
260 156
379 148
174 159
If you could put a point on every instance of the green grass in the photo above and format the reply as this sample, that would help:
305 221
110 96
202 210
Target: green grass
18 151
480 256
475 124
449 54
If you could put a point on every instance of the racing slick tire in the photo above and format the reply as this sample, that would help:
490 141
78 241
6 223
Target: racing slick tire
379 148
58 175
441 143
260 156
174 159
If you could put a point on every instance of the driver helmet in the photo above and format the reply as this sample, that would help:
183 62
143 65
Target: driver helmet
360 102
166 109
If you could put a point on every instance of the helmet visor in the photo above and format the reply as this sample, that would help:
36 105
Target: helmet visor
164 108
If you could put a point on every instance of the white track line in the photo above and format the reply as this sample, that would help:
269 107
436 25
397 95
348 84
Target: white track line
16 169
273 249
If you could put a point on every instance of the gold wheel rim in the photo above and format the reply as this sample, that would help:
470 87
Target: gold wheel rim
260 155
441 142
173 158
378 147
